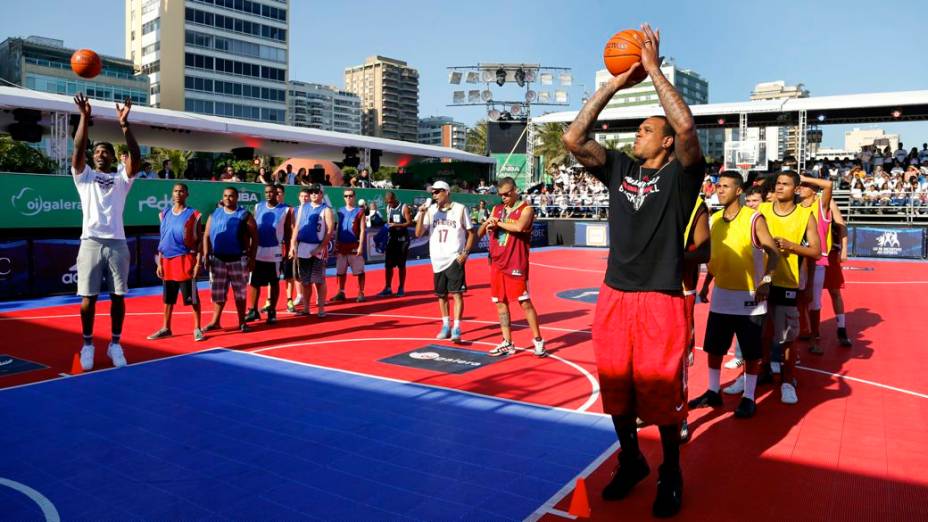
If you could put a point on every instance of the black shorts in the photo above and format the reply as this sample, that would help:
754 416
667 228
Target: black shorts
265 273
720 329
450 280
286 269
396 253
187 289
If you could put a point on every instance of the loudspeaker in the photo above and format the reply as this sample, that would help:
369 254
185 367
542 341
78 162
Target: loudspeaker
375 160
26 127
243 153
199 168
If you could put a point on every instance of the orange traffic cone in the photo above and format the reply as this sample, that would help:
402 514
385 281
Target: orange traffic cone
580 503
76 368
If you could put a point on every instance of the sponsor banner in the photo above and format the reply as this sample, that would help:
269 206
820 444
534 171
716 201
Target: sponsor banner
889 242
55 265
591 234
442 359
14 269
539 234
48 201
10 365
148 264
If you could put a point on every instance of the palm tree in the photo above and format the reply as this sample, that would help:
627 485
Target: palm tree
549 144
178 158
476 141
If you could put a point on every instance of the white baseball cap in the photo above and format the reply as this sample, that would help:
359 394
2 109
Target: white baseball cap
441 185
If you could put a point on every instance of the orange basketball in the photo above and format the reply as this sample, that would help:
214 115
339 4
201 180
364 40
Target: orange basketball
86 63
622 51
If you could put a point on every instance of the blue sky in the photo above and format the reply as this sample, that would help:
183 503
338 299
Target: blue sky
833 47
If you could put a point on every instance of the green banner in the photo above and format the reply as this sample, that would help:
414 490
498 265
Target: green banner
43 201
516 168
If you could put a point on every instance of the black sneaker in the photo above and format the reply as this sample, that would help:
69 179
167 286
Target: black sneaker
630 471
745 409
271 317
843 339
669 493
706 400
684 432
338 297
244 328
252 315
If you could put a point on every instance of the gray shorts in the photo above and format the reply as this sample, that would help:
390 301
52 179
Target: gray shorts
99 258
785 324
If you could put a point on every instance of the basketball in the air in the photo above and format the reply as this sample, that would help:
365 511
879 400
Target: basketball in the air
86 63
622 51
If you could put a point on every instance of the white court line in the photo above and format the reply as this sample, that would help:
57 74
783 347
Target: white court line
603 271
101 370
548 506
395 316
48 509
864 381
594 384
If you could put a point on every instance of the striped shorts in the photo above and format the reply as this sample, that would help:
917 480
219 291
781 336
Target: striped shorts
224 273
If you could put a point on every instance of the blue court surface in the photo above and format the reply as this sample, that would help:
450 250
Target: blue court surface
229 435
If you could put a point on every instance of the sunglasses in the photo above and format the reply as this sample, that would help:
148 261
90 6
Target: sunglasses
507 194
438 191
349 195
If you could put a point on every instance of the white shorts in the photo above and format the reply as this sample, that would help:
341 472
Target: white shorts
343 261
817 284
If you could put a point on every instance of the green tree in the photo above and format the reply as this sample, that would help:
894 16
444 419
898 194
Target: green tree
16 156
178 159
476 139
384 173
549 144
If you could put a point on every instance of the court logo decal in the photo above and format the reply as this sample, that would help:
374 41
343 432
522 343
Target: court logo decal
10 365
585 295
442 359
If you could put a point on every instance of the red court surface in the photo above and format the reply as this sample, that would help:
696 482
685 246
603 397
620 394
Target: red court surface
854 448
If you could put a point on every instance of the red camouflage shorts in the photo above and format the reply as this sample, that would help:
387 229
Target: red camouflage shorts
640 343
689 308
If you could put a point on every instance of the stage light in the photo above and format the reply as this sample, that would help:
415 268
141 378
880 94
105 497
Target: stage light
454 77
560 96
896 114
530 96
515 109
493 115
473 77
500 76
487 95
529 76
820 117
544 97
473 96
566 79
721 121
488 75
605 126
520 77
505 116
457 97
547 78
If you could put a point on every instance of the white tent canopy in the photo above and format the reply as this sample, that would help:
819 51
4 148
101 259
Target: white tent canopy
848 108
203 133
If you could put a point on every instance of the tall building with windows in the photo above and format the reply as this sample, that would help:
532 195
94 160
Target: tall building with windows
389 92
781 141
44 64
442 131
223 57
692 87
323 107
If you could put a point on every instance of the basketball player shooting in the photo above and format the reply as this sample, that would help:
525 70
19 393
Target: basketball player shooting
639 328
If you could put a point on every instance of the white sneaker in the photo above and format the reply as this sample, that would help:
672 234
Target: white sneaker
87 358
788 394
115 353
298 301
735 388
774 367
539 348
734 364
503 348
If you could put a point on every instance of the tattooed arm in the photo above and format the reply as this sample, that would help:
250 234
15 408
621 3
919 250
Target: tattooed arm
577 137
686 144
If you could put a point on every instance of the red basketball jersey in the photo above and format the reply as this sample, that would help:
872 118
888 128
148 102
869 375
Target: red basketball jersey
509 250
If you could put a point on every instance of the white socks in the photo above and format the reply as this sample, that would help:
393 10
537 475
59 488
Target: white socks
715 375
457 323
750 384
445 321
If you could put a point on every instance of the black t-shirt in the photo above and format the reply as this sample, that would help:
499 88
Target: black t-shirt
648 213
